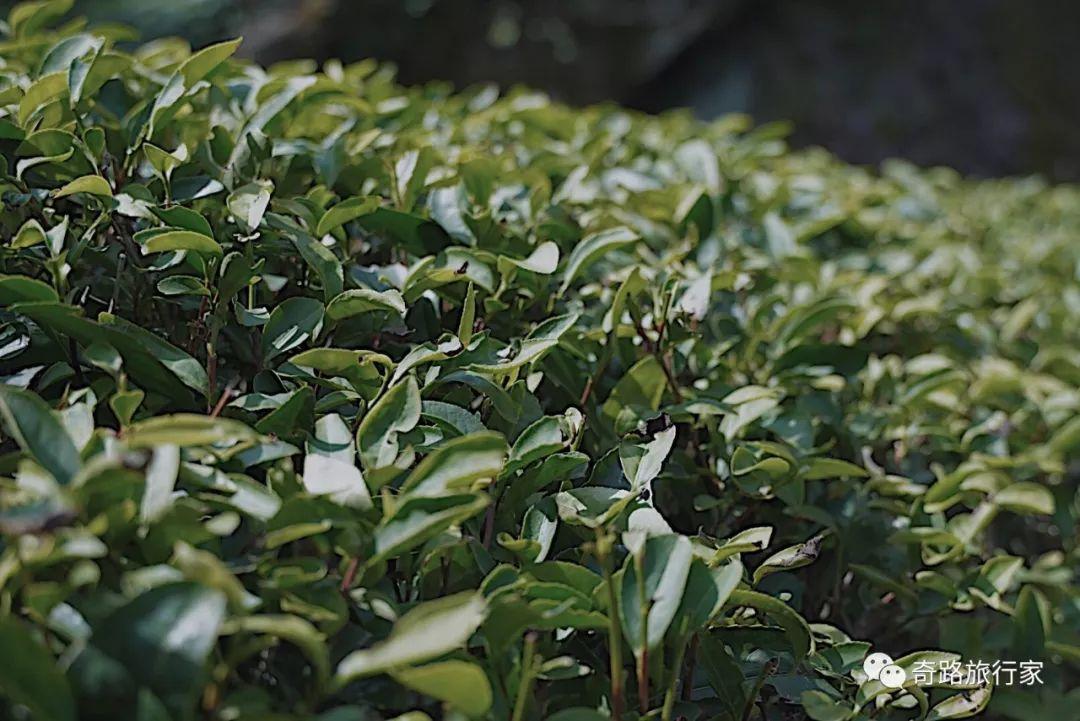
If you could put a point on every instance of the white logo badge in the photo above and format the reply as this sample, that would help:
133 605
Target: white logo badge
880 667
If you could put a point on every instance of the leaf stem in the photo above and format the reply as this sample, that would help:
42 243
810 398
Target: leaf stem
601 367
528 675
643 681
211 372
767 670
73 350
489 524
603 551
665 363
662 357
120 261
669 697
691 666
644 604
350 574
224 398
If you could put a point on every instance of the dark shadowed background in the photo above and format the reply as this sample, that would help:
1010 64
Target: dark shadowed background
989 87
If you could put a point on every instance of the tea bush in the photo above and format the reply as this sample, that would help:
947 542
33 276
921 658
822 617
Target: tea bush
329 398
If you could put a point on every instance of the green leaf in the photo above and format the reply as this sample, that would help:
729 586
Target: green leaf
456 265
629 288
20 289
821 707
346 211
291 628
543 260
323 261
163 161
330 465
181 217
592 248
451 418
188 370
46 89
89 74
541 340
592 507
468 316
1026 498
641 462
236 273
652 587
1031 623
26 164
293 323
963 705
707 590
778 237
457 464
803 320
169 239
186 429
153 363
125 403
30 234
38 432
365 370
538 529
29 675
163 639
28 17
427 631
91 184
182 285
418 519
750 403
544 437
248 204
364 300
410 172
203 62
161 473
205 568
817 469
426 353
750 540
795 627
461 684
1066 438
797 556
642 386
292 418
396 412
698 159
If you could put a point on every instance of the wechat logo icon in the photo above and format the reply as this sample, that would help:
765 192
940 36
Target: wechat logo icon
880 667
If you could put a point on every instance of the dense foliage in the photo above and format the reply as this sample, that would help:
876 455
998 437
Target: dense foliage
325 397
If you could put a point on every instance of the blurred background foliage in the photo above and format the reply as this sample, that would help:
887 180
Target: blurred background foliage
984 86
